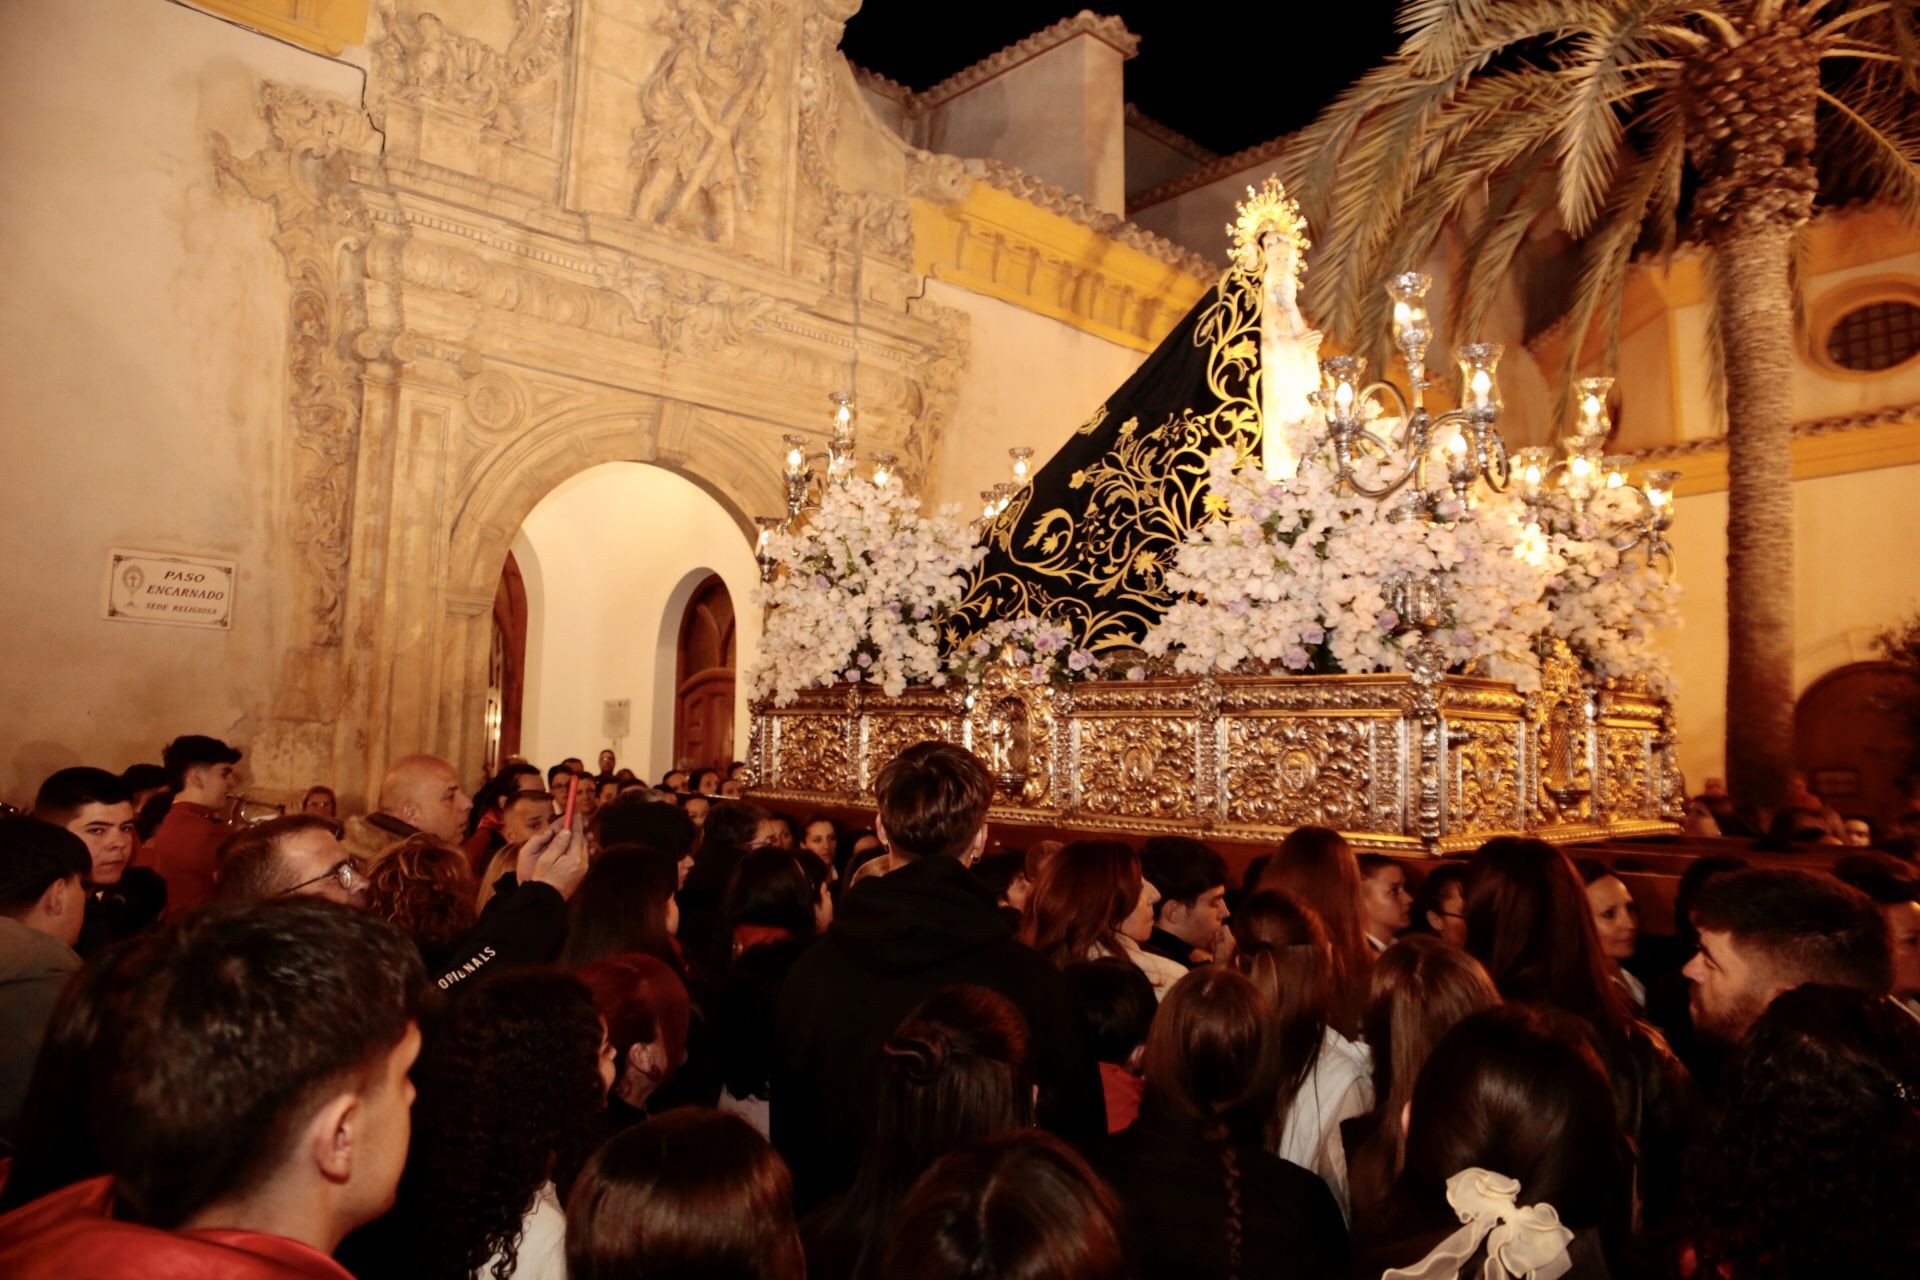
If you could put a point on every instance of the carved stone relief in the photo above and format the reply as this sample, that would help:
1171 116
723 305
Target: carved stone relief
321 230
1289 771
421 61
696 157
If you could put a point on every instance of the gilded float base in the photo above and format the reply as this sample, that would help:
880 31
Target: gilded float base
1403 764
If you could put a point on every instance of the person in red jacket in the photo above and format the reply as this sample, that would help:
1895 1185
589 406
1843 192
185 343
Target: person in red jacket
185 847
251 1099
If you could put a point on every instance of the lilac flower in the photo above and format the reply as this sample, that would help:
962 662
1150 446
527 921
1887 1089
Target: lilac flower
1037 673
820 582
865 660
1136 673
982 647
1388 620
1079 660
851 675
1238 608
1314 635
1295 659
939 679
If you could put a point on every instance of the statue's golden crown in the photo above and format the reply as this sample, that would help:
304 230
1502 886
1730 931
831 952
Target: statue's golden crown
1267 208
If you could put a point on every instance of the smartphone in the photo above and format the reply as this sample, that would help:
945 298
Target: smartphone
573 793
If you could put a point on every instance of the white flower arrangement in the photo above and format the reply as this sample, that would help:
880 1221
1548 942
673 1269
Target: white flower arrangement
859 593
1607 604
1295 576
1043 649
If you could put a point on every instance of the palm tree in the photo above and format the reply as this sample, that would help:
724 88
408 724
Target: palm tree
1627 120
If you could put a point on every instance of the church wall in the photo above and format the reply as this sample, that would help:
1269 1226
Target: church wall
1029 381
620 549
1058 115
1855 573
142 339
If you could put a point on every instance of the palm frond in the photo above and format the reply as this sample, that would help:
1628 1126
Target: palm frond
1608 249
1880 144
1590 135
1521 198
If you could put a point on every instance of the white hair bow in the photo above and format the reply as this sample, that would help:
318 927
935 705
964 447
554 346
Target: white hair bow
1522 1243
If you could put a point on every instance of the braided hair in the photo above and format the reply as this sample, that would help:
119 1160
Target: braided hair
953 1073
1214 1056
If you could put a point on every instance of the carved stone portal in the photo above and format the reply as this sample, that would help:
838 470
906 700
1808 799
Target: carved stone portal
693 155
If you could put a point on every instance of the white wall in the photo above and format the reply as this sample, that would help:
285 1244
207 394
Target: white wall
611 557
1856 571
1029 381
142 339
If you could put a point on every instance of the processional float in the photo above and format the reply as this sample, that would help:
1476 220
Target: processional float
1252 592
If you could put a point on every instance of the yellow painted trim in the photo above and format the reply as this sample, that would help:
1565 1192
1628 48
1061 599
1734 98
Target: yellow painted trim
1895 444
997 244
326 26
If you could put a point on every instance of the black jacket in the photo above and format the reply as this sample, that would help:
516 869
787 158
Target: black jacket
898 939
1176 949
1172 1184
521 924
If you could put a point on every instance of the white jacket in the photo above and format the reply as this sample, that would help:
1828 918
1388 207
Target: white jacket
1338 1087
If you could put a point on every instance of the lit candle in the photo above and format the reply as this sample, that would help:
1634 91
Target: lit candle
796 454
1594 422
1616 469
1022 463
882 469
1658 486
1479 376
1530 464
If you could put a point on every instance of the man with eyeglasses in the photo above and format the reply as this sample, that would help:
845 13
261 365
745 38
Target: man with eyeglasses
299 855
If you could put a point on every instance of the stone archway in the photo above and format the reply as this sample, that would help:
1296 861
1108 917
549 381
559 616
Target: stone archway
493 505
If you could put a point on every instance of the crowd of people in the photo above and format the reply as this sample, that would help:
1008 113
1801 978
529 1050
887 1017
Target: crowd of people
577 1024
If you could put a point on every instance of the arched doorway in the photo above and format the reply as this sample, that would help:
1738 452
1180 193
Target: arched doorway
703 685
1851 737
613 557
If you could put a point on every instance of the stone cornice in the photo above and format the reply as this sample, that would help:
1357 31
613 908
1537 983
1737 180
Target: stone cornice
1105 28
1003 245
1223 167
1057 200
873 81
1888 436
1141 122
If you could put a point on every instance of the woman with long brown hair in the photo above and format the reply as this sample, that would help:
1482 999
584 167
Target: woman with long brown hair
1324 1077
1205 1196
1317 866
1092 901
1530 924
1421 988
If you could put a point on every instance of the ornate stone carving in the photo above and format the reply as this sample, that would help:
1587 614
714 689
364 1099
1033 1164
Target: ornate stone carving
695 163
496 404
422 61
941 179
321 230
685 309
937 378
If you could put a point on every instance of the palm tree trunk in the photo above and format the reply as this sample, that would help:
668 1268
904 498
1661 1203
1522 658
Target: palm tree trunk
1756 312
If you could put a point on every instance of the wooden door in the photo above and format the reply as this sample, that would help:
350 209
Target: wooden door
703 680
1851 737
506 667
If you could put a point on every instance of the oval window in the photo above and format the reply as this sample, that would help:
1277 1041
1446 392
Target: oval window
1877 336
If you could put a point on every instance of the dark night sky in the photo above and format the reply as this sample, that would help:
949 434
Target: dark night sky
1227 73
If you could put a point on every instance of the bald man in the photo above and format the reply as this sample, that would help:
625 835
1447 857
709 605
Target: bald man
421 794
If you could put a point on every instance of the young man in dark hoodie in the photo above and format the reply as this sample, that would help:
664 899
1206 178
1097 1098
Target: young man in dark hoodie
897 939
